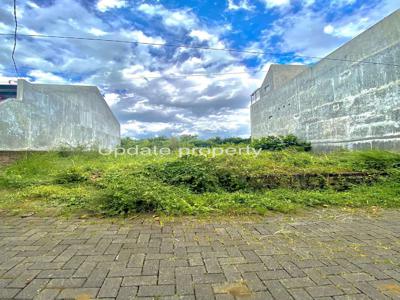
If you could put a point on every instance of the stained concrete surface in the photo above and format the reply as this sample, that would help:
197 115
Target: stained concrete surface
47 117
344 102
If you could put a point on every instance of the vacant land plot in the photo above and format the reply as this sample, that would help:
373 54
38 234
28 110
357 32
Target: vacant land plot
284 181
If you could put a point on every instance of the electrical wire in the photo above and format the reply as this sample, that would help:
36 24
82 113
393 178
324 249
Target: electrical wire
15 38
196 47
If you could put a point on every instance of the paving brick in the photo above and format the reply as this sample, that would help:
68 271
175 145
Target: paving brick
203 292
8 293
184 284
139 280
208 278
66 283
121 271
298 282
166 276
47 294
75 262
32 289
343 284
275 258
110 287
56 274
85 269
96 278
23 279
150 267
212 265
127 293
136 260
324 291
352 297
369 290
356 277
78 293
270 275
253 282
300 294
156 290
277 290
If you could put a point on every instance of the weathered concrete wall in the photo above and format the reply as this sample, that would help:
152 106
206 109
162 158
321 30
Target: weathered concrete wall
340 103
45 117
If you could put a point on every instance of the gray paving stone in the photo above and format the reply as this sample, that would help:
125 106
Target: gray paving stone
121 271
96 278
156 290
300 294
298 282
66 283
47 294
139 280
127 292
304 257
324 291
55 273
23 279
356 277
277 290
78 293
203 292
184 284
110 287
270 275
8 293
32 289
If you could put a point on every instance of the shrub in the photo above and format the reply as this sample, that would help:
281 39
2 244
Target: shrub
276 143
71 175
134 192
375 160
59 195
195 172
199 174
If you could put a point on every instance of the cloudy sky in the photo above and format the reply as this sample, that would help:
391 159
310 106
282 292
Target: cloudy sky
159 90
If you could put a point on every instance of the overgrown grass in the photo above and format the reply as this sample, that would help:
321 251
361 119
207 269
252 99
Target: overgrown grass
87 182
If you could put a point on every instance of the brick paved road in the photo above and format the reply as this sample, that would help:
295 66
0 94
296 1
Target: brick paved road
324 255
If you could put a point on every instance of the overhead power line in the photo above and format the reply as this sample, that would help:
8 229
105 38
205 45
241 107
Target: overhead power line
15 37
196 47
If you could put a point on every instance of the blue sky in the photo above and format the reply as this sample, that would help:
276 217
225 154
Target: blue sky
140 82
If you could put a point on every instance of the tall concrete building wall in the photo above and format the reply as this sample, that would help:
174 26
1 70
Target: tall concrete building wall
46 117
343 101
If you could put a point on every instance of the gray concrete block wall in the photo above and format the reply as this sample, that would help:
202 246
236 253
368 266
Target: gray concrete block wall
348 104
46 117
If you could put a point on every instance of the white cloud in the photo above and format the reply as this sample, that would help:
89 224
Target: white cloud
104 5
97 32
342 3
241 4
139 36
32 5
329 29
45 77
348 30
171 18
276 3
112 98
138 75
135 128
148 9
201 35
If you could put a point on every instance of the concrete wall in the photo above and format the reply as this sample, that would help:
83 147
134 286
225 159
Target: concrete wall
341 103
45 117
